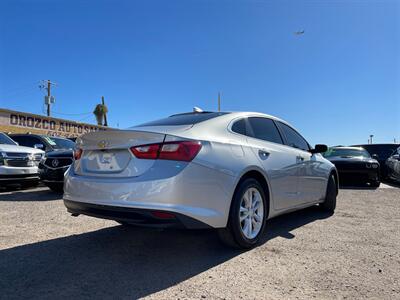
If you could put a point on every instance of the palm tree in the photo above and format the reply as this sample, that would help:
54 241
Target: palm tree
99 112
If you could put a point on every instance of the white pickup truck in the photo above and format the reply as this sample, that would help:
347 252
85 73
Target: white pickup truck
18 165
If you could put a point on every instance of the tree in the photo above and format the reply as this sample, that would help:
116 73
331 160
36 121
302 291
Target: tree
99 112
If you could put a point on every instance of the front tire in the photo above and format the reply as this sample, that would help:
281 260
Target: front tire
56 187
247 216
331 193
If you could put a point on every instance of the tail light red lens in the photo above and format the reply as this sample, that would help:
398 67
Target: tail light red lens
181 151
146 151
77 154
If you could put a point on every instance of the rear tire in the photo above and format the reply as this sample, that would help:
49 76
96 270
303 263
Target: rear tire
331 193
237 234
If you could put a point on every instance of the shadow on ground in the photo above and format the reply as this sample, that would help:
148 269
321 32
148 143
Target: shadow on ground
29 195
120 262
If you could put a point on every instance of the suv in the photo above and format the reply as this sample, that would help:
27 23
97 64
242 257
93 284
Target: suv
43 142
58 157
18 165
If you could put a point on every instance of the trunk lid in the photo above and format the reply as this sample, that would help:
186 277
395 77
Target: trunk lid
106 153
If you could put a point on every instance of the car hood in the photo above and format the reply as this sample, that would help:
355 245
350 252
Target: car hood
19 149
351 159
60 153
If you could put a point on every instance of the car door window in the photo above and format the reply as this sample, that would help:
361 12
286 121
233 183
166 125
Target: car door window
264 129
293 139
239 126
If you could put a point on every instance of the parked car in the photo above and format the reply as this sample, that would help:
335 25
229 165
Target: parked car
18 165
53 166
229 171
381 153
58 157
393 165
355 165
43 142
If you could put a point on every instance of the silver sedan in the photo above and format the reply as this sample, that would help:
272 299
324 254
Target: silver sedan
229 171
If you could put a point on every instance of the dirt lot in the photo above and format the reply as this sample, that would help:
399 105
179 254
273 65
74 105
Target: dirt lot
45 253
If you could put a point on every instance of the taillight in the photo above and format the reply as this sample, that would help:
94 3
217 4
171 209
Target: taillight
182 151
77 154
146 151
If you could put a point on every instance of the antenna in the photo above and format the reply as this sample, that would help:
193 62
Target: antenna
219 101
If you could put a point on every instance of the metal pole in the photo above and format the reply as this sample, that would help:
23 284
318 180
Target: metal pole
48 95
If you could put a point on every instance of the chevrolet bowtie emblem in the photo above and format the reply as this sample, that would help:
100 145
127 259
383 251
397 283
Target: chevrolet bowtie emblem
102 144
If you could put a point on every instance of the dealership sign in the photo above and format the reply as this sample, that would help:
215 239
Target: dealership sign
21 122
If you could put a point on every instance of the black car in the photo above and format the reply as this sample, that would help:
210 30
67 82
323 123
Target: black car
43 142
58 157
393 165
381 152
53 166
354 165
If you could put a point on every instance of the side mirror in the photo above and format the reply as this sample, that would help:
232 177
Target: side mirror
319 148
396 156
375 156
38 146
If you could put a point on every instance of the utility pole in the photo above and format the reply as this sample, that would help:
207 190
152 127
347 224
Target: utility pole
48 95
219 101
46 84
105 114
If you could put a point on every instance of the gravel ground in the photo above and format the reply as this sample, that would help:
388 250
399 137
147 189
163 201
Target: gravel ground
45 253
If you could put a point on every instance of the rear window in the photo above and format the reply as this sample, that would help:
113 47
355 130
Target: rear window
184 119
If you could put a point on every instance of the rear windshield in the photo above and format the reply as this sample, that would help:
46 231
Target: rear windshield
184 119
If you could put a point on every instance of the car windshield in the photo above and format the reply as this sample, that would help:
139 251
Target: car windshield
60 143
4 139
343 152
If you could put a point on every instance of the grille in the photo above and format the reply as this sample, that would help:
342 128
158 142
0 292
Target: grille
17 163
15 154
62 162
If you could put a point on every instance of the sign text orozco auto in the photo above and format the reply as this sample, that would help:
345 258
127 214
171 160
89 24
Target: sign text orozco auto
41 123
24 122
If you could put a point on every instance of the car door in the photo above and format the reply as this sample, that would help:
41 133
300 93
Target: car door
278 161
312 175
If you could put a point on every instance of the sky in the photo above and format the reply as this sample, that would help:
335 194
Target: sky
337 83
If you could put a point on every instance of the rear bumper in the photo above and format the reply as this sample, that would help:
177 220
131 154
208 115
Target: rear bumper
135 216
185 189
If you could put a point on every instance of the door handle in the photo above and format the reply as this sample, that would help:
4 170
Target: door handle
263 153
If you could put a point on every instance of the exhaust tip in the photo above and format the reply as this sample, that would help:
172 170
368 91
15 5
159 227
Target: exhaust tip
74 215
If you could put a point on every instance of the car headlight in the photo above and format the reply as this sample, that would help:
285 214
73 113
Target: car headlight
375 166
43 159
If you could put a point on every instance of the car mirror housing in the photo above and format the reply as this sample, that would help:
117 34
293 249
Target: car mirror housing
319 148
375 156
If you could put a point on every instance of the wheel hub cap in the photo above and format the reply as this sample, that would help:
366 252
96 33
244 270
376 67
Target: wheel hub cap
251 215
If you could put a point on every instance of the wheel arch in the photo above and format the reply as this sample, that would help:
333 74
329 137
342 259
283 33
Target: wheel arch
257 174
335 174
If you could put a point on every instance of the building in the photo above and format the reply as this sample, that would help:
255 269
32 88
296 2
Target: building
22 122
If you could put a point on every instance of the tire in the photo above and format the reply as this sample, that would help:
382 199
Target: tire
331 193
56 187
375 184
234 234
